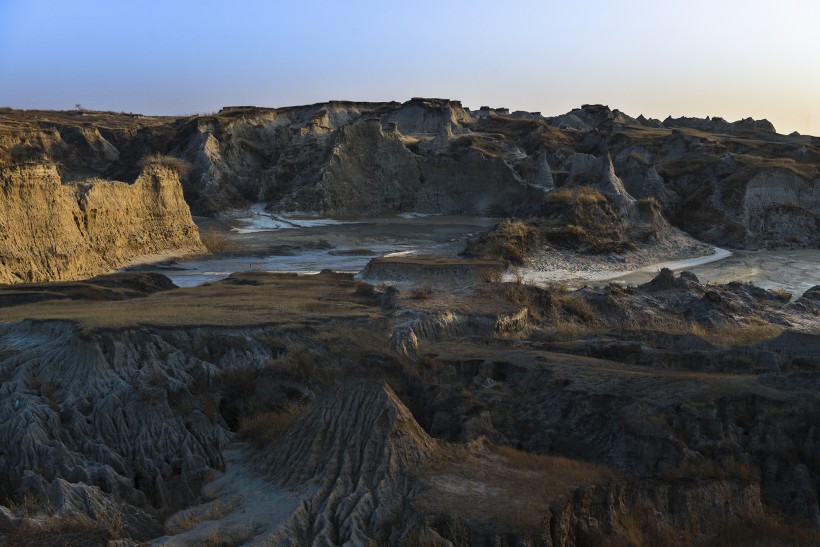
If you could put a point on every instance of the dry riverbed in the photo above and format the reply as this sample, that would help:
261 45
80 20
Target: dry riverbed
253 240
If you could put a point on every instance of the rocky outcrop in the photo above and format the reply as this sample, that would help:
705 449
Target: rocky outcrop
435 156
321 412
431 116
370 171
359 159
355 448
640 176
719 125
589 117
54 231
781 207
99 418
598 173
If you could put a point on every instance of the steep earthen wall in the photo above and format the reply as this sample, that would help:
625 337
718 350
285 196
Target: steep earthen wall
780 204
54 231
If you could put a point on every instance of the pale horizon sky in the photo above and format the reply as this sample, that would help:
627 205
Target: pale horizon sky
727 58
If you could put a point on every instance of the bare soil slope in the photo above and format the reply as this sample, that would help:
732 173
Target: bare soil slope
497 412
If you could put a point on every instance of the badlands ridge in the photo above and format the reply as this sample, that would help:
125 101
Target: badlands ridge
740 185
429 402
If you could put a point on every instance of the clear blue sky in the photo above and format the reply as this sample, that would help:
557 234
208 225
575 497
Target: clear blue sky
726 58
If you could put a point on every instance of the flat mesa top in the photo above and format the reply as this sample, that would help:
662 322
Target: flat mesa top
243 299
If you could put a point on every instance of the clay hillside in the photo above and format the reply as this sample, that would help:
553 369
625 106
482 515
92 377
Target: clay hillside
740 184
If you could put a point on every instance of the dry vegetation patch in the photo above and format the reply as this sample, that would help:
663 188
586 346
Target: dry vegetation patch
569 315
266 426
498 488
60 530
188 519
510 240
724 335
175 164
241 300
218 243
768 531
581 217
574 196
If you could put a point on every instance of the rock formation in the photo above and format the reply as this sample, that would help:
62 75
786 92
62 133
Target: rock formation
436 156
356 159
451 409
53 231
486 415
780 204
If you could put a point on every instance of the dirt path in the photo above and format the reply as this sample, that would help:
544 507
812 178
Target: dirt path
240 506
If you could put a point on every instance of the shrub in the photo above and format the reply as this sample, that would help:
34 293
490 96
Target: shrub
217 242
266 426
581 195
422 293
297 366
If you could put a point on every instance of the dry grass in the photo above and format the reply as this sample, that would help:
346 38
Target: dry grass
742 335
218 243
65 530
224 538
457 532
214 510
786 295
422 537
263 428
566 315
569 315
500 488
178 165
34 119
578 195
723 336
58 532
581 217
572 471
244 299
298 365
510 240
422 293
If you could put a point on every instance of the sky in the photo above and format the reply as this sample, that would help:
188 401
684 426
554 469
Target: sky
727 58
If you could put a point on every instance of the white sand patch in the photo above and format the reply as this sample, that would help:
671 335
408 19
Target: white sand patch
409 216
257 219
566 267
401 253
794 271
685 263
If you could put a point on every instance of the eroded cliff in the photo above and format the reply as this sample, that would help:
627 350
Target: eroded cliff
718 181
54 231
